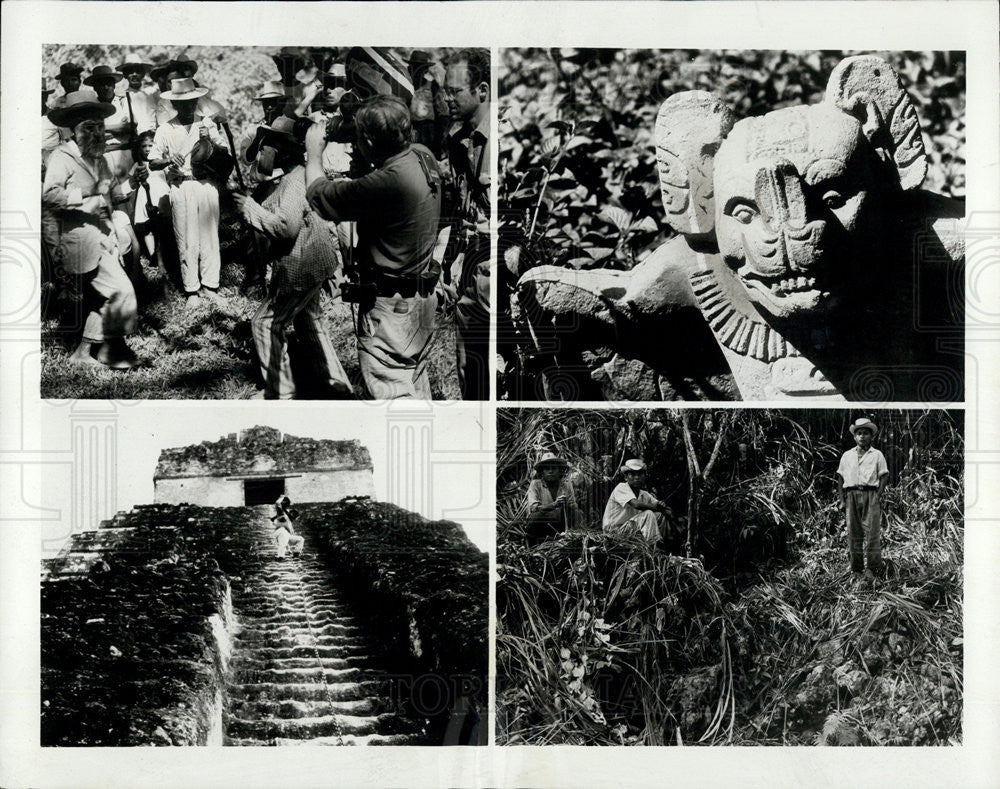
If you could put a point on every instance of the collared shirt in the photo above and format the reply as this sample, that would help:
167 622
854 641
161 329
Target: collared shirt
620 509
281 218
174 138
539 495
862 468
396 211
77 199
469 158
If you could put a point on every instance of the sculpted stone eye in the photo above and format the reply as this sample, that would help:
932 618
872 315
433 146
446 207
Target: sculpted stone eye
833 198
744 214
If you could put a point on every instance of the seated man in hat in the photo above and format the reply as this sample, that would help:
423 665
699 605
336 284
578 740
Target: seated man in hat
397 208
299 270
551 500
862 476
77 199
194 198
631 508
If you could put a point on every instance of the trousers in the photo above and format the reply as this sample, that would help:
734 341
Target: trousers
394 339
647 522
472 348
194 207
287 541
109 299
269 325
864 529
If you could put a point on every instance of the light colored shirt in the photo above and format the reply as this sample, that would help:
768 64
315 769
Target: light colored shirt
50 139
620 507
143 108
173 138
862 469
539 495
78 196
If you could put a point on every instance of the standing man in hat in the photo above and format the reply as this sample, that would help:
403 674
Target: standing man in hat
271 96
467 87
397 208
143 106
77 199
631 508
69 79
863 475
118 127
551 500
300 269
194 198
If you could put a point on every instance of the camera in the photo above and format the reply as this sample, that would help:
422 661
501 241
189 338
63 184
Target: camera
340 127
361 293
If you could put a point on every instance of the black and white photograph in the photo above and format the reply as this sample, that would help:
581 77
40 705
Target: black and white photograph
263 587
731 225
730 577
275 223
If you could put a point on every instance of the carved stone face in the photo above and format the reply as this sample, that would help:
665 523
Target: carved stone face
793 208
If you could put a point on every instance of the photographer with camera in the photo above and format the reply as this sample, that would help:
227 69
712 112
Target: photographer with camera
397 207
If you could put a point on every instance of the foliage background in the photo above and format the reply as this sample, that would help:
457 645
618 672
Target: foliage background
754 634
581 123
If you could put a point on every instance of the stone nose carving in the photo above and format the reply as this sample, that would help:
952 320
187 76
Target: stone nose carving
782 203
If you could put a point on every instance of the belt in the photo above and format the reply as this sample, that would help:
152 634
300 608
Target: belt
388 285
863 487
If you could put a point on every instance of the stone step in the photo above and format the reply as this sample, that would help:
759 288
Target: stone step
302 675
266 632
362 739
345 650
295 708
251 662
321 726
288 640
301 691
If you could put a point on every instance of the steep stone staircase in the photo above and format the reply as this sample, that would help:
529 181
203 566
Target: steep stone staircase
301 672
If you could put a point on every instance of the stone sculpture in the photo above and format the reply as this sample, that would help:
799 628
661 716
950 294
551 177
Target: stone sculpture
806 254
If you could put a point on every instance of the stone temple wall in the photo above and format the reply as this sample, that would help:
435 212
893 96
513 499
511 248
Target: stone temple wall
300 488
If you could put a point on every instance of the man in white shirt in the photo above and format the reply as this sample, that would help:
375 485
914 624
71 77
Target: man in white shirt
863 475
194 202
143 104
631 508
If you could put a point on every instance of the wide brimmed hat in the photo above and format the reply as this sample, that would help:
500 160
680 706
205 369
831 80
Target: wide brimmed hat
183 89
69 70
102 72
271 89
184 62
162 70
633 465
863 423
550 459
133 62
336 74
79 104
280 134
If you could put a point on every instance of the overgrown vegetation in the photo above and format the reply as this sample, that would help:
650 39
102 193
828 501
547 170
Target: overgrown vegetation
578 185
745 628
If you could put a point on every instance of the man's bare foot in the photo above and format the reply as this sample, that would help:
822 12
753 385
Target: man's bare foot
83 354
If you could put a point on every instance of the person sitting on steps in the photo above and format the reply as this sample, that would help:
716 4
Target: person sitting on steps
285 536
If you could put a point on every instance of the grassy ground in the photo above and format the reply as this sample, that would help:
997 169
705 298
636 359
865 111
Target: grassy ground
206 352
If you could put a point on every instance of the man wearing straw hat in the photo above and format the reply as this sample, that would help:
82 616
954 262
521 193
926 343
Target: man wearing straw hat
194 200
551 501
631 508
143 105
77 201
863 475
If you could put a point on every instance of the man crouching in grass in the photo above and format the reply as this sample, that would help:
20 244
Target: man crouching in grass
863 475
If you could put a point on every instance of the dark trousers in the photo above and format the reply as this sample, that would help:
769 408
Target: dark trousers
864 529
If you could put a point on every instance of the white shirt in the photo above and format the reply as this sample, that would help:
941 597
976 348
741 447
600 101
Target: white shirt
143 108
862 469
619 508
173 138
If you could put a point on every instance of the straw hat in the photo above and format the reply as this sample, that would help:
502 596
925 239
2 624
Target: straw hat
633 465
183 89
863 423
550 459
103 72
79 104
271 89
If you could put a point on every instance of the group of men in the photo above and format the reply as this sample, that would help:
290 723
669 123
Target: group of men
632 509
367 177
